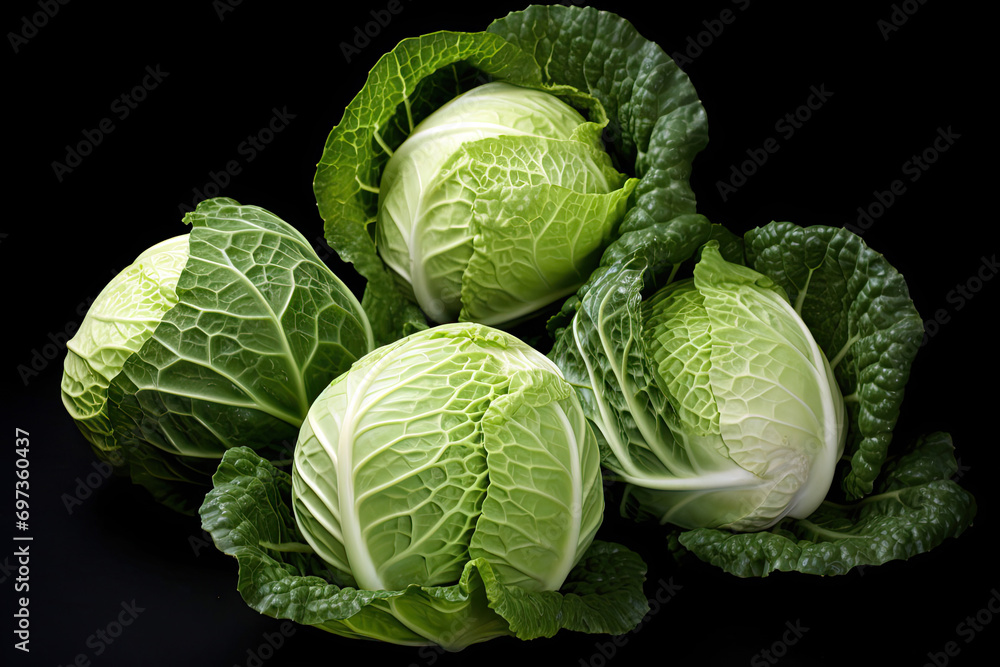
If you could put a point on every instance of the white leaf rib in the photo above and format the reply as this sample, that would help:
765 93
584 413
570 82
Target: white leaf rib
606 423
572 541
361 560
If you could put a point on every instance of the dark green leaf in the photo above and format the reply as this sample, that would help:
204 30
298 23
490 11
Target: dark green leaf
249 511
916 509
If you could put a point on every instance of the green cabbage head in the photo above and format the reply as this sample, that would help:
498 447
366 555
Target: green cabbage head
217 338
723 411
498 204
454 450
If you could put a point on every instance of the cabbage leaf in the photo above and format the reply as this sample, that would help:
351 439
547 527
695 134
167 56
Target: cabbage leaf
249 516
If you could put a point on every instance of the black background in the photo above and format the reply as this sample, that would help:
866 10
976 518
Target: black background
228 68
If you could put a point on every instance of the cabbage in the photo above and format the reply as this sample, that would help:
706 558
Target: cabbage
446 490
749 421
751 406
479 176
499 203
217 338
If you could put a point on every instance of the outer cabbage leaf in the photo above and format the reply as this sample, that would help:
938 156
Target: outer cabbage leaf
259 328
858 308
603 352
916 508
533 243
249 516
544 502
657 125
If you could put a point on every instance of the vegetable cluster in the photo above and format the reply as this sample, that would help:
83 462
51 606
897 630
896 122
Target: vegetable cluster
543 303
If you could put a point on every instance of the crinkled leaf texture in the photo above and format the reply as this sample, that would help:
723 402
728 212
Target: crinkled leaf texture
122 317
498 204
456 442
916 508
249 516
260 326
654 124
857 308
